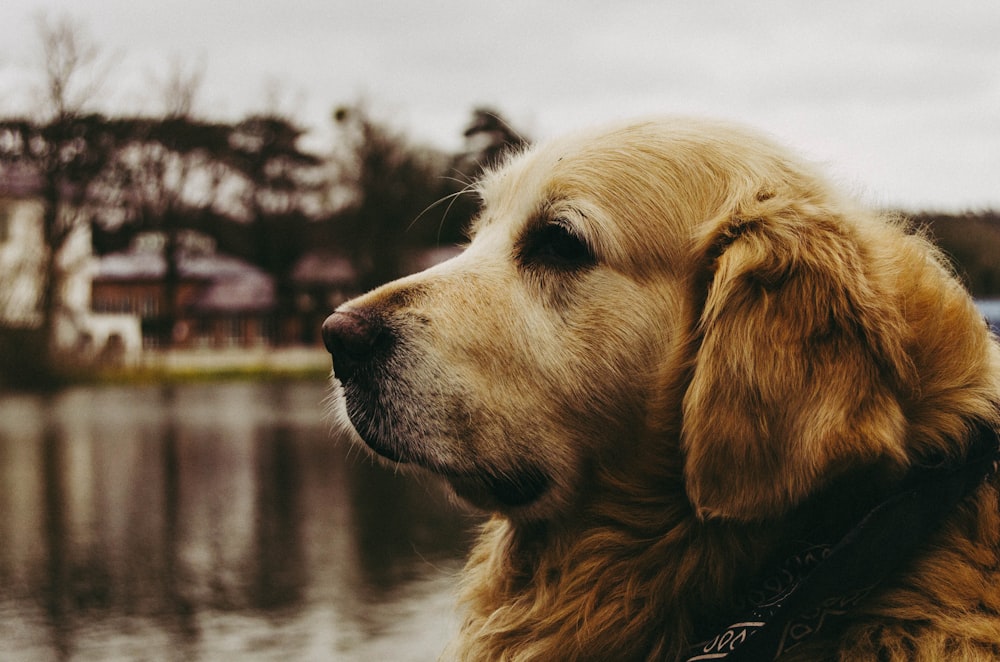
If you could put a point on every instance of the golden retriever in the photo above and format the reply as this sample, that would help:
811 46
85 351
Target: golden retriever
716 409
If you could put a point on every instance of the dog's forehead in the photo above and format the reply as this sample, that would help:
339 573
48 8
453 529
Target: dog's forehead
625 185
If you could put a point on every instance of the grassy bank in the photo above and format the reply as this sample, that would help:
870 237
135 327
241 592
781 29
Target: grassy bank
183 366
149 375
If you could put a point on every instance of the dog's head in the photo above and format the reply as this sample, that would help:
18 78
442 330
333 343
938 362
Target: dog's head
662 276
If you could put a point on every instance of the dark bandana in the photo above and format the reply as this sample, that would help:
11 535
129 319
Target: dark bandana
815 585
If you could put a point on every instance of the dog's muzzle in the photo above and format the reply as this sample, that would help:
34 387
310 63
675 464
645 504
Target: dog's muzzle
365 351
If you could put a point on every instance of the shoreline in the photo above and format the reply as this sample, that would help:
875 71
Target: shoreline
232 363
193 365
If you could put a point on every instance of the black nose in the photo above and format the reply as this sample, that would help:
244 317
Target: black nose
350 338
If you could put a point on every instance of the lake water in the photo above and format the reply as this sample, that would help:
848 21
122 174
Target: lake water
214 522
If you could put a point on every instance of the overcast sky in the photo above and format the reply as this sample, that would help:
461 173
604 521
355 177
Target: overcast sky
900 99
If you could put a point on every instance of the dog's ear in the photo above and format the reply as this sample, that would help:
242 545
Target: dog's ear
799 361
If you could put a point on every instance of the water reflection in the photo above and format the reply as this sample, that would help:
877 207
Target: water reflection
212 522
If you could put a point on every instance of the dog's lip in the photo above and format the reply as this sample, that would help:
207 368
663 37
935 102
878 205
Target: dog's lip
387 451
364 429
511 489
369 428
394 452
487 488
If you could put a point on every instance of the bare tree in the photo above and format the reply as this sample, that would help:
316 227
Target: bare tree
63 152
169 159
391 183
180 88
73 71
279 100
490 137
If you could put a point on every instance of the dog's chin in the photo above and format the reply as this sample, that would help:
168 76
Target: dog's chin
513 491
363 430
510 491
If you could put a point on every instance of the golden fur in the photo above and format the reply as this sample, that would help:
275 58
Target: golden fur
669 347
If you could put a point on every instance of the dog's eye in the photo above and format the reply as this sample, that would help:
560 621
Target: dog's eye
557 246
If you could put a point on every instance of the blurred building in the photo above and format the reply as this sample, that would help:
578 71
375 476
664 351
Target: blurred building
320 282
217 300
23 256
114 306
22 250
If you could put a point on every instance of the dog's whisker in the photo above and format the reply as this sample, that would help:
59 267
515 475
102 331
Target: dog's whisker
450 199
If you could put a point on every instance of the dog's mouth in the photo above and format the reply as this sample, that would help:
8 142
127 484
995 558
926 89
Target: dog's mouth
514 489
487 488
375 432
483 484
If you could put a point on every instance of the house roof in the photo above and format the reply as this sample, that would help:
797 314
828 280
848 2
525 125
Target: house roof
231 285
324 268
232 295
127 265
